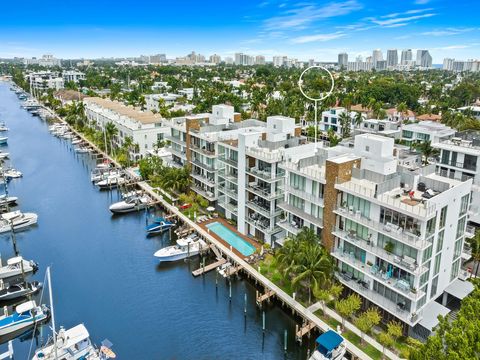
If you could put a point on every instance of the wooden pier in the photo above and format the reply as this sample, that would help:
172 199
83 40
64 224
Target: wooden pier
232 270
208 268
264 297
304 330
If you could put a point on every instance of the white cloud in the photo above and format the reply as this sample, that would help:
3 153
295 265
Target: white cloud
303 15
398 20
317 37
447 32
452 47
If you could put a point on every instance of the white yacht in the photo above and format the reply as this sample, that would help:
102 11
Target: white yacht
131 203
102 174
4 155
16 220
12 174
7 200
184 248
16 266
330 346
10 291
71 344
112 181
82 150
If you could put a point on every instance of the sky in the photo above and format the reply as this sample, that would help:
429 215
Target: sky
301 29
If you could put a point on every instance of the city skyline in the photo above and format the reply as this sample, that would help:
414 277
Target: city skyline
299 30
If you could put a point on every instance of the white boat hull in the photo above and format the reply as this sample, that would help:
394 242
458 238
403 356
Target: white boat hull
175 257
29 220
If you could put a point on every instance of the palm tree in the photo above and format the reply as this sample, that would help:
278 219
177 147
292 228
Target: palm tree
110 132
358 119
427 151
402 109
345 123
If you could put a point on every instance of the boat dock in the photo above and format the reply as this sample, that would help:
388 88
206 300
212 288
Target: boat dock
222 252
304 330
264 297
209 267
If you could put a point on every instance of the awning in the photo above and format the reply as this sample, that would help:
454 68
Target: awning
459 289
328 341
430 314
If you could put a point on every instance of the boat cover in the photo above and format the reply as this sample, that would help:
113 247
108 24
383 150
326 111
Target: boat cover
328 341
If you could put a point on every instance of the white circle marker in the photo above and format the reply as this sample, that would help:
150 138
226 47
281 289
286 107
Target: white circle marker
322 96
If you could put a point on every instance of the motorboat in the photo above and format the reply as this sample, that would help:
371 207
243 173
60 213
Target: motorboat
4 155
101 174
224 268
132 203
330 346
16 220
24 317
72 344
3 140
112 181
12 174
82 150
3 127
185 247
7 200
16 267
11 291
76 141
159 225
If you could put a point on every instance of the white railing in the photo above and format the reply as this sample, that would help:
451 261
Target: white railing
304 195
269 156
315 173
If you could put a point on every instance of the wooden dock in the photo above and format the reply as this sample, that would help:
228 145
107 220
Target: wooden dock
208 268
232 270
264 297
304 330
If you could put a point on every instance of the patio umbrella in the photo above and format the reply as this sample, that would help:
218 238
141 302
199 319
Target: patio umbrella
210 208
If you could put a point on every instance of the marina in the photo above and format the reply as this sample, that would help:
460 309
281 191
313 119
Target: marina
97 258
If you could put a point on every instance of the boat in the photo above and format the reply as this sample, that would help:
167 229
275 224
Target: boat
17 266
4 155
132 203
10 291
7 200
16 220
101 174
330 346
3 140
12 174
76 141
82 150
25 316
3 127
112 181
224 268
159 225
185 247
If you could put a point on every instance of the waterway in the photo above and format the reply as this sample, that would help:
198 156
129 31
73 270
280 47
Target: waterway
103 269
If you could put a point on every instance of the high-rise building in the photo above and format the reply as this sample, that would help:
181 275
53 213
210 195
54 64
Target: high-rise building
376 56
238 58
423 59
406 56
381 65
215 59
311 62
260 60
244 59
279 61
343 60
158 58
392 57
448 64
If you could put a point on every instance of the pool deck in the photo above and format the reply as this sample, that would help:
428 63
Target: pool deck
203 225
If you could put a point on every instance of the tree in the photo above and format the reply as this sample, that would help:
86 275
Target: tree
150 166
402 109
367 320
328 293
386 340
358 119
110 132
427 150
333 139
347 307
474 244
345 123
394 329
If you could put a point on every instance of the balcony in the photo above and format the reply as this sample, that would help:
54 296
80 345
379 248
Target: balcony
175 140
228 176
301 214
304 195
470 232
229 191
228 161
313 172
464 166
379 300
401 286
202 150
289 227
203 179
207 167
405 263
266 175
264 154
264 192
229 206
210 196
254 205
181 154
385 229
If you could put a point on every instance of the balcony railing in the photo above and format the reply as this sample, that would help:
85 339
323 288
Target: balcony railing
314 173
265 155
385 229
304 195
202 150
401 286
289 227
301 214
406 263
266 175
264 192
381 301
228 161
175 140
203 179
229 191
205 193
229 206
207 167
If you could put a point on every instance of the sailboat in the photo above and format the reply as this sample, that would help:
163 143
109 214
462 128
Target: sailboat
71 344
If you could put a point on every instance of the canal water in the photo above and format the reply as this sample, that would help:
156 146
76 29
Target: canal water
103 269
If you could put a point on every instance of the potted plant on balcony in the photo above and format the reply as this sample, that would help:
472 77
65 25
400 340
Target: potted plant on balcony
389 246
413 290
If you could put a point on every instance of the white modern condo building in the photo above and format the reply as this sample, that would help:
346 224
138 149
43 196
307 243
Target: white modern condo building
396 234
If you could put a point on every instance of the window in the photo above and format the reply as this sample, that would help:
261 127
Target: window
461 227
464 204
470 162
455 267
433 290
356 204
458 248
425 276
431 226
360 231
399 249
427 254
445 156
297 182
296 202
421 302
436 267
407 134
367 148
441 234
443 216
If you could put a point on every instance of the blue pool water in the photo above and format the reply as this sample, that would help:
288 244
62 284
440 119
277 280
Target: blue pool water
233 239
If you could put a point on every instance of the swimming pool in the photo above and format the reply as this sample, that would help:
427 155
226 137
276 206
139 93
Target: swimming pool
233 239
